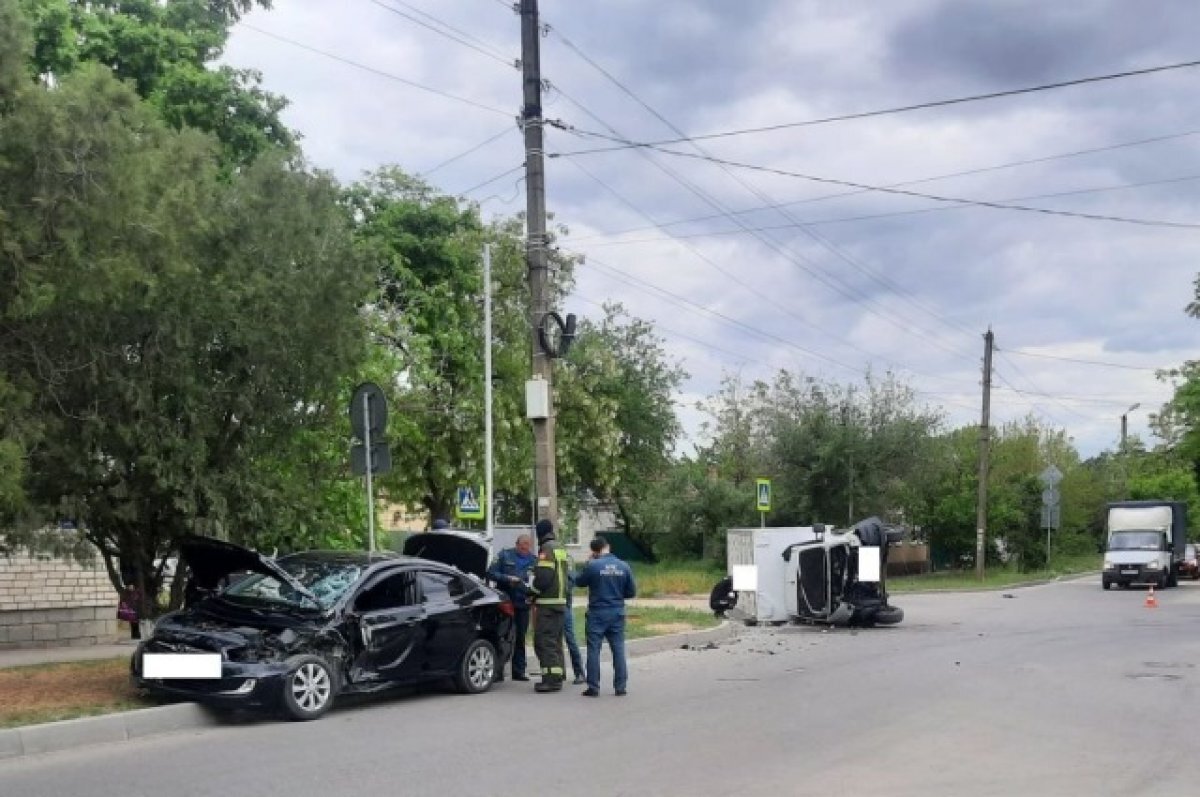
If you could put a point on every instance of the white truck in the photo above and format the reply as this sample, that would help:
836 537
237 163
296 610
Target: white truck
808 574
1146 542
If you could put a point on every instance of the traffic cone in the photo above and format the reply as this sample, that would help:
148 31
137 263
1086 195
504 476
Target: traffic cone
1151 601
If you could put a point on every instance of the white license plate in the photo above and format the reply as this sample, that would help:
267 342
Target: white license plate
1129 572
181 665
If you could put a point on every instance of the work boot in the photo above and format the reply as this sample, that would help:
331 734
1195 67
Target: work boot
548 686
578 679
590 692
521 677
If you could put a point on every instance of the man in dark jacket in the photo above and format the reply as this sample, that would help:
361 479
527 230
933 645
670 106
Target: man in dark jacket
511 572
609 583
550 602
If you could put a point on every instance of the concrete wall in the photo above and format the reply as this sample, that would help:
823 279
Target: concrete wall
48 602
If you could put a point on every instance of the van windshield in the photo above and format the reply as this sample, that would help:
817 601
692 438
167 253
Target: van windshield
1136 541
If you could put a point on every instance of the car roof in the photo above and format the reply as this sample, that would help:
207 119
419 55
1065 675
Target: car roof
380 560
342 557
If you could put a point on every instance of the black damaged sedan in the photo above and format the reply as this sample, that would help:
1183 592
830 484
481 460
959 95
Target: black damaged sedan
295 632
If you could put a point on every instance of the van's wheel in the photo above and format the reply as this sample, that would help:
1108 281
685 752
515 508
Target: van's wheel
309 688
477 668
1106 584
1173 578
889 615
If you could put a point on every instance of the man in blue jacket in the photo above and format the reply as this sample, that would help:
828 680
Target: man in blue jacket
511 572
609 583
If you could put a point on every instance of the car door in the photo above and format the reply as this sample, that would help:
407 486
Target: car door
389 614
449 626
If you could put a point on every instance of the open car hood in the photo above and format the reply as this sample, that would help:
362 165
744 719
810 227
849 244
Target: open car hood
210 560
463 550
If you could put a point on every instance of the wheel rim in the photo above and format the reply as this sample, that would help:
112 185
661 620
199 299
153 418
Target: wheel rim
311 687
481 665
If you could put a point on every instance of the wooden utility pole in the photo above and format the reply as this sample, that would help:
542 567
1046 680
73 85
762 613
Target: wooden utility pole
985 439
545 478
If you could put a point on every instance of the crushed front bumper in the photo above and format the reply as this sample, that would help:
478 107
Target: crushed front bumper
242 684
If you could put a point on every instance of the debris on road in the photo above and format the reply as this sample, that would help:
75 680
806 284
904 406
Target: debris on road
709 646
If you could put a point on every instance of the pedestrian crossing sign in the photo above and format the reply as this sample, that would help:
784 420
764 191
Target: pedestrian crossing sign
469 505
764 495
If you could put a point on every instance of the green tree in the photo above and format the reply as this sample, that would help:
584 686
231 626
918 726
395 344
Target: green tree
429 337
837 452
165 49
616 412
686 513
176 325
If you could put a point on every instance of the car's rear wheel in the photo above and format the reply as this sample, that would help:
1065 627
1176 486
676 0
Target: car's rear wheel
309 688
477 669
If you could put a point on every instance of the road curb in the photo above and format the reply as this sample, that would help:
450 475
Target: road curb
657 644
51 737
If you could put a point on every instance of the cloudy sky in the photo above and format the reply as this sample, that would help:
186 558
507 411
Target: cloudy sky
837 280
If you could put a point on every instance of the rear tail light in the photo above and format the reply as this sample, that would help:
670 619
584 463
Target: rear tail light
506 608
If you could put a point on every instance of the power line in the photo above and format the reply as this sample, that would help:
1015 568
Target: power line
1078 399
1083 361
905 192
459 31
691 306
1036 388
491 180
934 178
889 215
683 301
779 247
787 311
467 152
739 358
485 50
899 109
375 71
906 326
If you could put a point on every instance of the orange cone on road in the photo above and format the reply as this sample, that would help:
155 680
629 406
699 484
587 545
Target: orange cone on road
1151 601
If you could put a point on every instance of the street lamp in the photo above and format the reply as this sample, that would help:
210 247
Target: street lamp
1125 424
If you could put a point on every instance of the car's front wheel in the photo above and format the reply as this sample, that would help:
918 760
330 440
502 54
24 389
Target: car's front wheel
477 669
309 688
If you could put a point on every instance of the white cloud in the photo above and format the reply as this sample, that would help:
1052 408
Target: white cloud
1060 286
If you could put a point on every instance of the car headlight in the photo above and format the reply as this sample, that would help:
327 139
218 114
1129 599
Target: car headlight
1153 565
1109 564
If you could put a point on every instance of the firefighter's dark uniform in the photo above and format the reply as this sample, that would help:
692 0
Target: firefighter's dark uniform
550 596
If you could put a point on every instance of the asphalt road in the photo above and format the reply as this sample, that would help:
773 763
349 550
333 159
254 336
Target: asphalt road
1058 690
